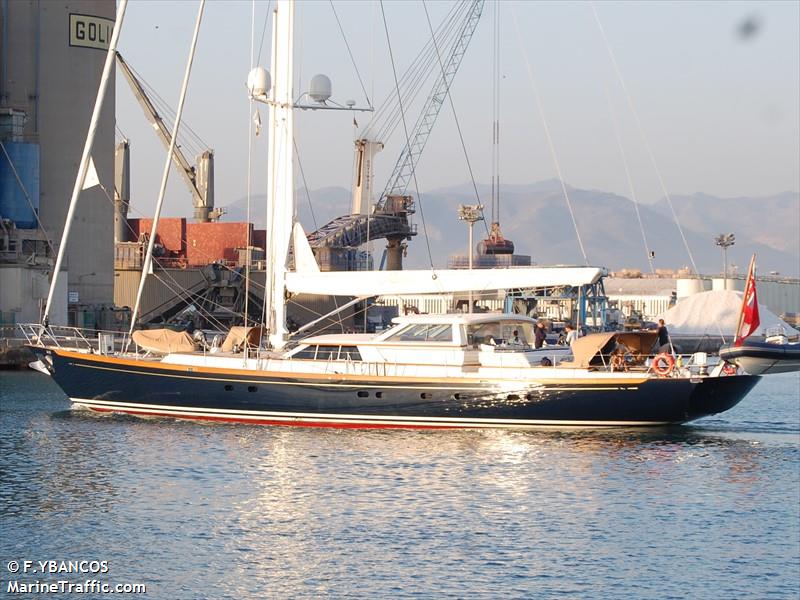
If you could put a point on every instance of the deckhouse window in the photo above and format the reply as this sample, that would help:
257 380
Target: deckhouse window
502 333
349 353
307 353
327 352
424 332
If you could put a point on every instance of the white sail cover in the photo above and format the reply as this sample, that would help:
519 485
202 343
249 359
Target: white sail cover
379 283
709 313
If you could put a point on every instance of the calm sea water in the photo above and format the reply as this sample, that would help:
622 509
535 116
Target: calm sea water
231 511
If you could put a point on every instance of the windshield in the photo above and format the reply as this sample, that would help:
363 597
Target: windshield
501 333
424 332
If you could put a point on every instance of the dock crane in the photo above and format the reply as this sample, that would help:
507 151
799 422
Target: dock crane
389 217
200 178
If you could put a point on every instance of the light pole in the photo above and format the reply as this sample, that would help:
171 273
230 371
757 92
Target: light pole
725 241
470 213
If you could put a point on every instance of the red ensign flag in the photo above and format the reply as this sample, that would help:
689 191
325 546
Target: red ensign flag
749 321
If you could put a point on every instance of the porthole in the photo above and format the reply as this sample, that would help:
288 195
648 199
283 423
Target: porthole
363 394
251 388
426 396
229 388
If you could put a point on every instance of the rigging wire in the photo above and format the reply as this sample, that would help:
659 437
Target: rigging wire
548 137
189 297
424 74
455 114
350 52
120 132
305 184
387 116
631 189
184 241
187 135
263 32
650 153
177 288
408 140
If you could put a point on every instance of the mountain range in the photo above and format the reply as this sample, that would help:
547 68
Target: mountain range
536 217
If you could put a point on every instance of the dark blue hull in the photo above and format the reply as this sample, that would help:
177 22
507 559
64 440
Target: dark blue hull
148 388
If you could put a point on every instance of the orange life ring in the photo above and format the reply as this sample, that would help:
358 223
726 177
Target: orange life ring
729 369
663 364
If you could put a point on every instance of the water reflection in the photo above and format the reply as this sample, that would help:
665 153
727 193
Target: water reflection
250 512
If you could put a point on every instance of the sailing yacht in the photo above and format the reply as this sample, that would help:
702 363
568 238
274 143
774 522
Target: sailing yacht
426 371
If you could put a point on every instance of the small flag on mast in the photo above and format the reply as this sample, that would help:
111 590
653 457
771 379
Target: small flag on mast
749 320
91 178
257 121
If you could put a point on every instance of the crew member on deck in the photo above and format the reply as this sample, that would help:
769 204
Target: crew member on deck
540 336
664 344
572 335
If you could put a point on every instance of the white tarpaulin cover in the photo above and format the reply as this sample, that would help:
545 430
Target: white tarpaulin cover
707 313
378 283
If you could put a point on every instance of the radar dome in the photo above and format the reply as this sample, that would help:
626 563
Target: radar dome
258 82
320 89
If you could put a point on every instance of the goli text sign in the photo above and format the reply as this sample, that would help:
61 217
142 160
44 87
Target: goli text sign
88 31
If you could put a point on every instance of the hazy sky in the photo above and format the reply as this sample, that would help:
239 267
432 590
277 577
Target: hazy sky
720 108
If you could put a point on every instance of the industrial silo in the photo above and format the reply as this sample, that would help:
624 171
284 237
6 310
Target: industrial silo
51 58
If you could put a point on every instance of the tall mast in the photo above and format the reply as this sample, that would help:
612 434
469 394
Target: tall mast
280 191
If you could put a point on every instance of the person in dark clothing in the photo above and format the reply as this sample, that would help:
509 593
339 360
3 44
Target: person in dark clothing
663 337
540 335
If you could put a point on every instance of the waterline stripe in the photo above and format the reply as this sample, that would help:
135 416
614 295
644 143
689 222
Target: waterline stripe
331 418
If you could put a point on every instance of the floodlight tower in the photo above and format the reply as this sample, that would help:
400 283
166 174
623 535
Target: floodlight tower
725 241
471 213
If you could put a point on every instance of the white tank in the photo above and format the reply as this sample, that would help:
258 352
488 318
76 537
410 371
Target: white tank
688 287
320 88
718 283
258 82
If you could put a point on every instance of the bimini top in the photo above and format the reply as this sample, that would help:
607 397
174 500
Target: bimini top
595 348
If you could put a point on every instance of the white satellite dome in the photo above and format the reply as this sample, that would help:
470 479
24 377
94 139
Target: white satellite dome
258 82
320 88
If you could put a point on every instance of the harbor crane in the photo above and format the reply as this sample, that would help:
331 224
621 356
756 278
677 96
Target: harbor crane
200 178
389 217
